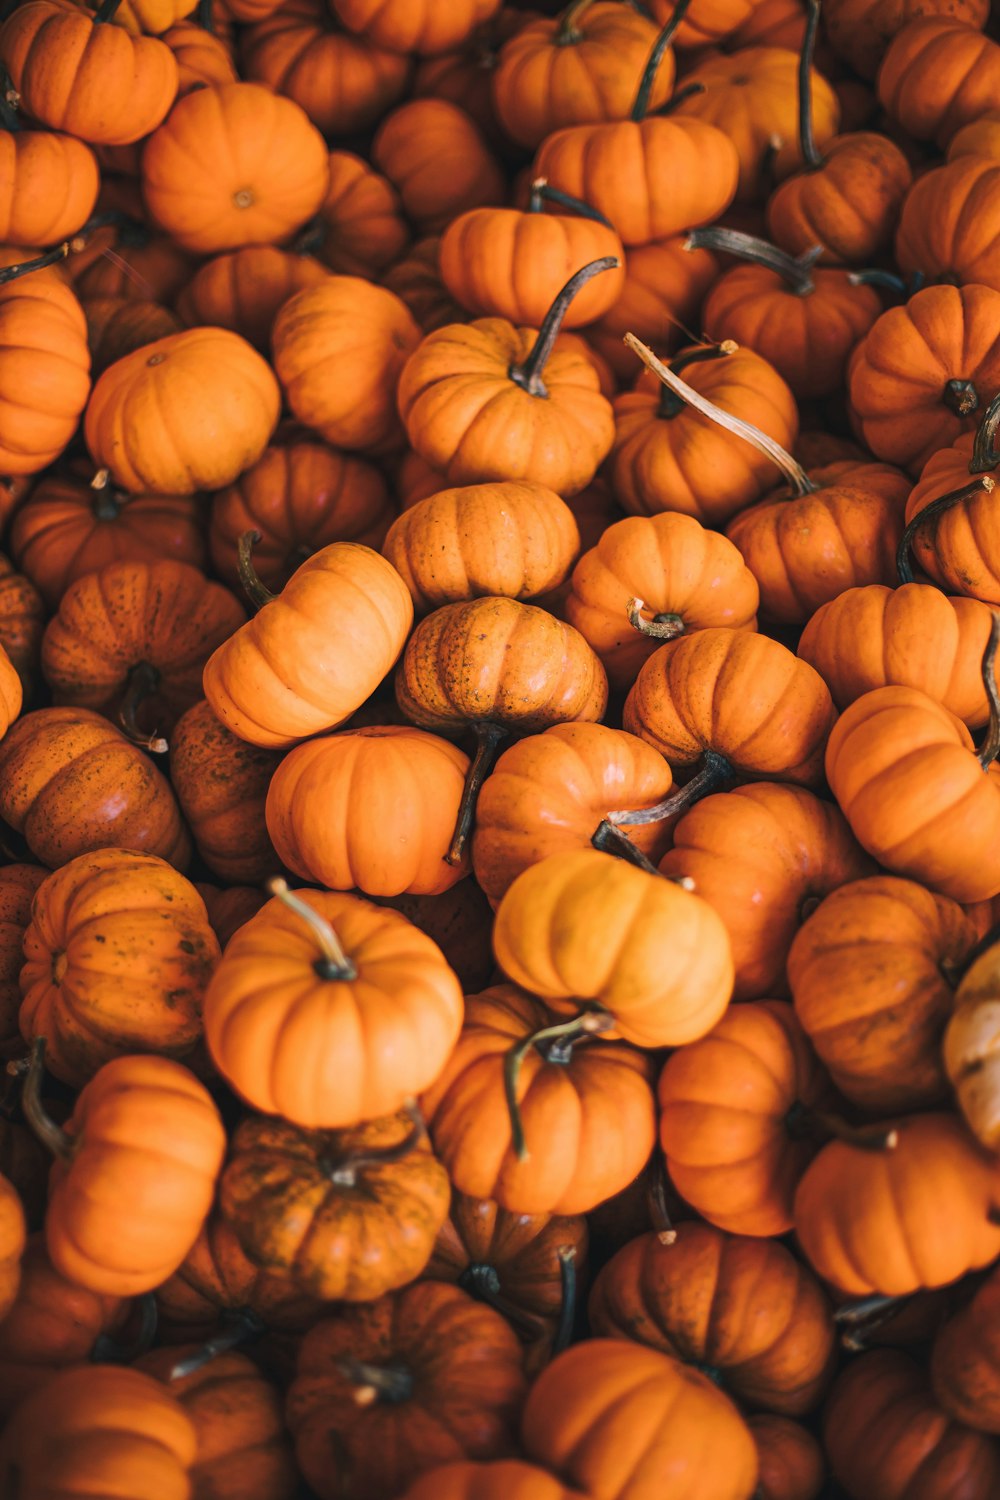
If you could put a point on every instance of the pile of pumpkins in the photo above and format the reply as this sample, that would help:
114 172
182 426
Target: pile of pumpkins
500 750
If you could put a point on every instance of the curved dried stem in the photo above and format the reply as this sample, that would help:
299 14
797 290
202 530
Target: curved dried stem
333 963
798 480
482 1282
805 1123
985 454
715 772
51 1135
670 405
542 193
807 141
258 593
241 1327
567 1310
644 92
558 1042
489 738
796 270
660 628
659 1212
143 680
904 566
528 375
50 257
990 748
110 1351
860 1318
569 33
344 1170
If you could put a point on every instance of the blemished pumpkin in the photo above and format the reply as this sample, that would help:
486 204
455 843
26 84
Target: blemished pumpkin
513 539
389 1389
583 928
346 1215
71 783
522 1115
735 1113
370 809
22 623
233 165
964 1361
743 1310
859 31
313 653
604 1413
380 1007
155 417
145 1140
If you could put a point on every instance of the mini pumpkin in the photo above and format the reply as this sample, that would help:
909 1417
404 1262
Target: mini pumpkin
244 290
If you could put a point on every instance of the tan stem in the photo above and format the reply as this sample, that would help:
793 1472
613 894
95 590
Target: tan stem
51 1135
334 962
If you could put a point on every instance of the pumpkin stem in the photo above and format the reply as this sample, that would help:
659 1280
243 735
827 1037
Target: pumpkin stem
10 99
985 455
567 1310
107 12
51 1135
529 374
961 397
955 973
109 1351
659 1212
392 1383
239 1328
608 839
660 628
798 480
796 270
904 565
649 72
670 404
334 963
556 1044
859 1318
258 593
142 680
803 1122
489 737
569 32
990 747
482 1282
203 16
687 92
106 505
343 1172
542 193
12 273
715 771
875 277
807 142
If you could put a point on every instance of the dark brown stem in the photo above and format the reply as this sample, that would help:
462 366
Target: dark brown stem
107 12
482 1282
142 680
333 963
875 277
796 270
689 91
109 1351
569 33
660 628
715 772
643 93
670 404
567 1310
203 16
106 505
12 273
985 456
904 567
807 141
489 738
558 1042
610 840
10 99
804 1123
860 1318
990 748
529 374
961 397
542 193
241 1327
659 1212
344 1171
258 593
51 1135
392 1383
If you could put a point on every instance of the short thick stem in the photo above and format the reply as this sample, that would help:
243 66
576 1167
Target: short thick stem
644 92
106 504
143 680
985 455
805 1123
489 738
904 567
528 375
714 774
798 480
807 142
990 748
333 963
961 397
666 627
565 1036
344 1170
13 273
569 33
795 270
240 1328
51 1135
392 1383
110 1351
258 593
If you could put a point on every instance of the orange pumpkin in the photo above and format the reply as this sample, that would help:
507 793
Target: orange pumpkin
964 1361
43 348
403 26
202 59
361 230
790 1460
938 74
378 1002
859 31
50 184
503 1479
18 884
848 202
11 693
439 164
117 326
941 228
664 287
955 492
416 280
243 290
22 622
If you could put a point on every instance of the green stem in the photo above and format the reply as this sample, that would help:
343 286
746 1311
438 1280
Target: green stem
542 193
689 91
529 374
796 270
875 277
807 142
51 1135
343 1171
258 593
985 456
904 567
12 273
798 480
670 404
142 680
990 748
567 1310
715 772
564 1035
649 72
334 962
489 737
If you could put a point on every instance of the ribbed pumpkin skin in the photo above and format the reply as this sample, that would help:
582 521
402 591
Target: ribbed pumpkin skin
958 551
868 972
18 884
375 1041
43 348
742 1307
155 416
243 290
404 26
964 1361
861 1217
604 1414
338 1241
724 1107
512 539
221 783
438 162
22 622
11 693
937 75
850 206
761 855
549 791
504 1479
71 783
48 187
116 959
370 809
944 227
201 57
859 31
790 1460
313 655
